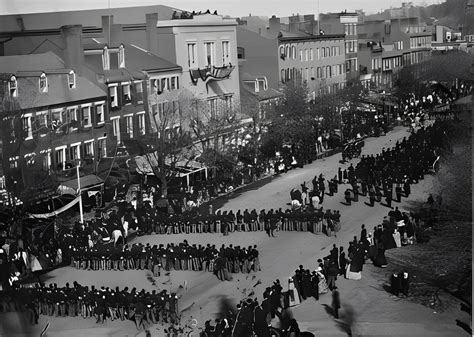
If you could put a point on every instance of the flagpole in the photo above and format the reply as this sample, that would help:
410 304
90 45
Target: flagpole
80 194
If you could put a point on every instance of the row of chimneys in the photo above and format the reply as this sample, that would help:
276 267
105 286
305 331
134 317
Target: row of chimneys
72 36
309 24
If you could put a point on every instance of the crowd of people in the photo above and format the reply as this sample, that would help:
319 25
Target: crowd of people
142 307
158 258
389 175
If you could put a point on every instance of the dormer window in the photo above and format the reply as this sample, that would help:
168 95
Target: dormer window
121 56
43 83
71 79
262 84
13 87
106 59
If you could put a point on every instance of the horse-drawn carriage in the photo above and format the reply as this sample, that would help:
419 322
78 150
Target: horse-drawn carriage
352 149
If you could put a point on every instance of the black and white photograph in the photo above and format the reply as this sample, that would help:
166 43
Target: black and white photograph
206 168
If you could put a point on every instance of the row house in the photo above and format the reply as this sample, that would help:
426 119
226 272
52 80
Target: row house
199 53
385 46
57 121
303 54
318 60
346 23
203 47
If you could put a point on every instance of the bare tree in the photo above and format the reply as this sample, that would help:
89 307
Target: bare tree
167 146
216 125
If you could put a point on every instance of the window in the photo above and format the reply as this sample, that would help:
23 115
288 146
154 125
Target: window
116 127
26 126
311 56
228 101
306 52
241 52
99 114
46 161
209 52
293 49
174 83
60 156
141 123
102 148
164 84
139 92
56 119
86 116
71 115
225 52
121 57
312 73
13 87
213 107
89 148
113 96
129 125
71 80
261 85
75 152
301 55
43 83
192 55
323 50
126 95
307 74
41 119
161 110
318 53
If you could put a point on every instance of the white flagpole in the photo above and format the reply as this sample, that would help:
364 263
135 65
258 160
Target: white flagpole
80 194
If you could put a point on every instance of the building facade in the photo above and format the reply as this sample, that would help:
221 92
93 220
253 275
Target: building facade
57 121
344 23
318 60
385 46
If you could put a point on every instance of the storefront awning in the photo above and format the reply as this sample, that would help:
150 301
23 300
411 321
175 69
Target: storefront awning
87 182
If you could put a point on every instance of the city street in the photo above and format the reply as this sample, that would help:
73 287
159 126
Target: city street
371 310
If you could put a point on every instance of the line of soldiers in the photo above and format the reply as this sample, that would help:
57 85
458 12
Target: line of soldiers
394 170
157 258
139 306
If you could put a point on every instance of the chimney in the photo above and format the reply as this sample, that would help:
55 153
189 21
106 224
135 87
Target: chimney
107 22
73 53
274 24
152 32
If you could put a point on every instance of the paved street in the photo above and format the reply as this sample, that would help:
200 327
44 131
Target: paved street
201 292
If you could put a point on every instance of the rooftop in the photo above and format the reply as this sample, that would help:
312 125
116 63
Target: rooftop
28 68
86 18
311 37
199 20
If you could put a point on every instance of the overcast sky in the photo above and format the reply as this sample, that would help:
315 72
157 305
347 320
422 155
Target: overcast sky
235 8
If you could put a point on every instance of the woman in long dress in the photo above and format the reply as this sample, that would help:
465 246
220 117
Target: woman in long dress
322 286
396 238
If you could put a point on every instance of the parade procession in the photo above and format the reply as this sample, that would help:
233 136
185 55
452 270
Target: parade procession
175 172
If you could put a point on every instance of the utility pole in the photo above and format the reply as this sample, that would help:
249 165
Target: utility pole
80 194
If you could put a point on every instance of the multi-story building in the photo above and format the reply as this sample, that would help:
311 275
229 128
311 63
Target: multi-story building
305 55
56 122
203 46
344 23
385 46
319 60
